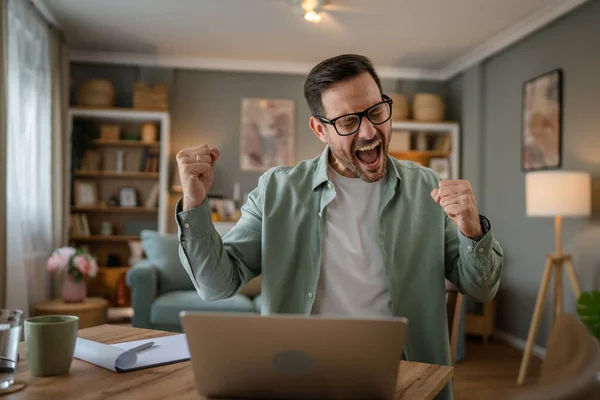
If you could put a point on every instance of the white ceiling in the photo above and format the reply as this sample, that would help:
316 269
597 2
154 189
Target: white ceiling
404 38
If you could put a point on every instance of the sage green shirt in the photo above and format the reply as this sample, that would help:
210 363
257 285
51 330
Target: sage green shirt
279 237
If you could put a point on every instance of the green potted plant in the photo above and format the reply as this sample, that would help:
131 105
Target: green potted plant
588 308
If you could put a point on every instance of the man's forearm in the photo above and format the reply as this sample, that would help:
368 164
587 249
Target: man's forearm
474 266
216 267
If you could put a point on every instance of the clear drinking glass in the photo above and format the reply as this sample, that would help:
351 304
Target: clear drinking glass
11 323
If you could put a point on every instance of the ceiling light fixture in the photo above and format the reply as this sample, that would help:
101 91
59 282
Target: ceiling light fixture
312 16
312 9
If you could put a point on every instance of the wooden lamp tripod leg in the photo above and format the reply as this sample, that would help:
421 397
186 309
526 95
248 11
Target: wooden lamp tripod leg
558 291
573 277
535 321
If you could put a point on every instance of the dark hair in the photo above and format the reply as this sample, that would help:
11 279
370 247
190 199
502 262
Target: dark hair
332 71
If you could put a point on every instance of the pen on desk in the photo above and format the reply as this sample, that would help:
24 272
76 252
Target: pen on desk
142 347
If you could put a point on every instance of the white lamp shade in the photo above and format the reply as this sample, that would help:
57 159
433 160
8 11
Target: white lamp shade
564 193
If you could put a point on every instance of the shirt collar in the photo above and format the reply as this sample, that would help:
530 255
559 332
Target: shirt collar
320 176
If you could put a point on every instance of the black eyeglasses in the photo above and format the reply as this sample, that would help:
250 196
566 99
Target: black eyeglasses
348 124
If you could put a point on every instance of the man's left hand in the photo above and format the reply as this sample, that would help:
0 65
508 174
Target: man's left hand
458 201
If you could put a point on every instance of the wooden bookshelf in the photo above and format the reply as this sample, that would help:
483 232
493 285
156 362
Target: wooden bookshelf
109 231
442 126
421 157
106 283
418 153
106 209
422 142
124 143
115 174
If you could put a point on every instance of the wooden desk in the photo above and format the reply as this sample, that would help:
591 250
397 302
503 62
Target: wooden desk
176 381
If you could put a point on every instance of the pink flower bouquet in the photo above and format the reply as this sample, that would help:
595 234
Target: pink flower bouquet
76 262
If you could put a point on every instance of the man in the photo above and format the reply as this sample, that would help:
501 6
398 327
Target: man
352 232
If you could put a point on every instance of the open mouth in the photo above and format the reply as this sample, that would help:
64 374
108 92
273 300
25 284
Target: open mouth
370 154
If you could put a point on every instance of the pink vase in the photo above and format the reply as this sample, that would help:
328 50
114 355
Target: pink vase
72 291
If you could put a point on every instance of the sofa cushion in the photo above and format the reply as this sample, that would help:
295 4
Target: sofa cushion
166 308
258 303
162 250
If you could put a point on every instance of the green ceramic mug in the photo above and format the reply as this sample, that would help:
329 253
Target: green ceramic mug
50 343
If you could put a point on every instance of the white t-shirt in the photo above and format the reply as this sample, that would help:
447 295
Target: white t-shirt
353 278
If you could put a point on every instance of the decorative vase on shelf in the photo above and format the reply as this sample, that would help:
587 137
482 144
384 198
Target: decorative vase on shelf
73 291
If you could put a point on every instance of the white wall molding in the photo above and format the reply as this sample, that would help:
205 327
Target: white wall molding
510 36
519 343
238 65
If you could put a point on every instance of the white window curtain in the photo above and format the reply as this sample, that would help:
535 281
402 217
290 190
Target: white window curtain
29 155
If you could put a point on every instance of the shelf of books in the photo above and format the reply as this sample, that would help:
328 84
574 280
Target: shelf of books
432 144
119 187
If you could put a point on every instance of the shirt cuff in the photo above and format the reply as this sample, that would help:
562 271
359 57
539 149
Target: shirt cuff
480 249
195 222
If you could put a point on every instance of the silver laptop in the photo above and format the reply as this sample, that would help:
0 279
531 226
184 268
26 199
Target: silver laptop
238 355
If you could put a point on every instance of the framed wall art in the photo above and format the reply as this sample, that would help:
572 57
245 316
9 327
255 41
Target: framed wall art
541 138
267 133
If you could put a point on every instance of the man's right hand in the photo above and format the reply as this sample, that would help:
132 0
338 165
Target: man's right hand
196 172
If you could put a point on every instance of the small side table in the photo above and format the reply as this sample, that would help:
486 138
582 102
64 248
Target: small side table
91 312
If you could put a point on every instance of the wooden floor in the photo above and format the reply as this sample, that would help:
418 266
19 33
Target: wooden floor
488 369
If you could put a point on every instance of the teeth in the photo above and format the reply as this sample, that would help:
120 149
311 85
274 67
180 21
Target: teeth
370 146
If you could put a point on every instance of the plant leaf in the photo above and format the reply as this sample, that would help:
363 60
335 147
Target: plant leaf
588 308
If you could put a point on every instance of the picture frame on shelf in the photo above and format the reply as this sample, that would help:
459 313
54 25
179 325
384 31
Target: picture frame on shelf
222 209
128 196
441 166
542 130
85 193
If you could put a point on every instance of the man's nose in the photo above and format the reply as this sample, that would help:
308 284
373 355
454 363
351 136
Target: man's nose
367 130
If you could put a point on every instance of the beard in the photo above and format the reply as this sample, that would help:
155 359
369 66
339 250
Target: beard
370 163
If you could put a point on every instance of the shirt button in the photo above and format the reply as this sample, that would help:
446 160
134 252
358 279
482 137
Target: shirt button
485 277
330 185
310 294
469 247
186 225
319 215
481 249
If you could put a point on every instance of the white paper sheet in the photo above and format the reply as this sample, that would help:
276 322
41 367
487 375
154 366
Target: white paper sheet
106 356
116 357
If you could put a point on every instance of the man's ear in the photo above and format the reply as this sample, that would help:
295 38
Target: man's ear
318 128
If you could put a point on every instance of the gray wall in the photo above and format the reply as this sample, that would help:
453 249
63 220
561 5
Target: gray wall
205 108
491 120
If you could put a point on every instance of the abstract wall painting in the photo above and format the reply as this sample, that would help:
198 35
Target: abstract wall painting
541 138
267 133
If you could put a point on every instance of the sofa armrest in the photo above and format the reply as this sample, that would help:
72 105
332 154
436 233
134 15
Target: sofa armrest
142 278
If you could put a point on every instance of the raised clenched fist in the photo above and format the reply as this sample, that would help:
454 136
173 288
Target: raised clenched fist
457 199
196 171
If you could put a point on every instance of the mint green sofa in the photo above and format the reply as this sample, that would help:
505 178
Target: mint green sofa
161 288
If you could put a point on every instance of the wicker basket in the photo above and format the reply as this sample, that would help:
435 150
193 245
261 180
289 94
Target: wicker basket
146 97
399 106
96 93
428 107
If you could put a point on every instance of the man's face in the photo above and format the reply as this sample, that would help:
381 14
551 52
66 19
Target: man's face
362 154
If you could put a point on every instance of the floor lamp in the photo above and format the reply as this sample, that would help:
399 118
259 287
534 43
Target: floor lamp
554 194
